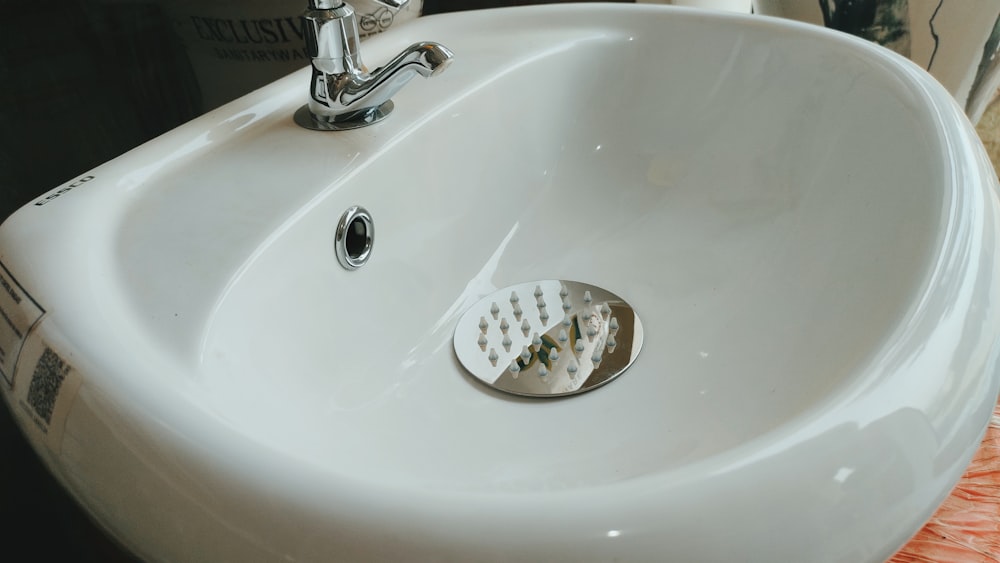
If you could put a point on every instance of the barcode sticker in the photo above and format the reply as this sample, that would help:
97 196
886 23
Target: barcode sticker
46 388
45 383
19 313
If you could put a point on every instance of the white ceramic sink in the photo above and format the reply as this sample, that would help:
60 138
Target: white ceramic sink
805 223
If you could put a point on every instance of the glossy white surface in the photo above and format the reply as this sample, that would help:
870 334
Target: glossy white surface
805 223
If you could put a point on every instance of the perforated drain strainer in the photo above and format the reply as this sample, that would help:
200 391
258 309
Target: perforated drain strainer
548 338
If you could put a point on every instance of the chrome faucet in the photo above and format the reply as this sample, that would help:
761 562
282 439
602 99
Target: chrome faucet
342 93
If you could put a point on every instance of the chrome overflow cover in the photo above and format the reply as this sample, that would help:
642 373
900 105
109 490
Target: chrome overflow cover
548 338
355 237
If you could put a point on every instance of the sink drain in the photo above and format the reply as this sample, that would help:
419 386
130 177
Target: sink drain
548 338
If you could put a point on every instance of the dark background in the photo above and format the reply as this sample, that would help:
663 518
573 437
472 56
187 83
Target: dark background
81 82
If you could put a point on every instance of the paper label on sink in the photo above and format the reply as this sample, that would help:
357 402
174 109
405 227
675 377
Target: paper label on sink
19 313
46 389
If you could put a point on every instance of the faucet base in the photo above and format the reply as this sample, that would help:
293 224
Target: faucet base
360 118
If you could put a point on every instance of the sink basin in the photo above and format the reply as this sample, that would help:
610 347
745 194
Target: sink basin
805 223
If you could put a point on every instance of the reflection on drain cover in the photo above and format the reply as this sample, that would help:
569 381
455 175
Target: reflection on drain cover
548 338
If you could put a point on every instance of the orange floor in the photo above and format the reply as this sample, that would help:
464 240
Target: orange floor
966 529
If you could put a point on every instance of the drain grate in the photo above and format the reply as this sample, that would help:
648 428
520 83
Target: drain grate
548 338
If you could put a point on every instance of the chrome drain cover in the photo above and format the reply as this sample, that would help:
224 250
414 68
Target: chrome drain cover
548 338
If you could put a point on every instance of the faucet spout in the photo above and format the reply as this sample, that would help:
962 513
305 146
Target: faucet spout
343 94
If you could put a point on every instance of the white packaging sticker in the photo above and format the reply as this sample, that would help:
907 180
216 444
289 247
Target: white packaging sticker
18 314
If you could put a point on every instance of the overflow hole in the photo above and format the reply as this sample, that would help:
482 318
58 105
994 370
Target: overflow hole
357 240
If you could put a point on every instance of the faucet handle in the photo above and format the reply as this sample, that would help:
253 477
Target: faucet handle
325 4
394 5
